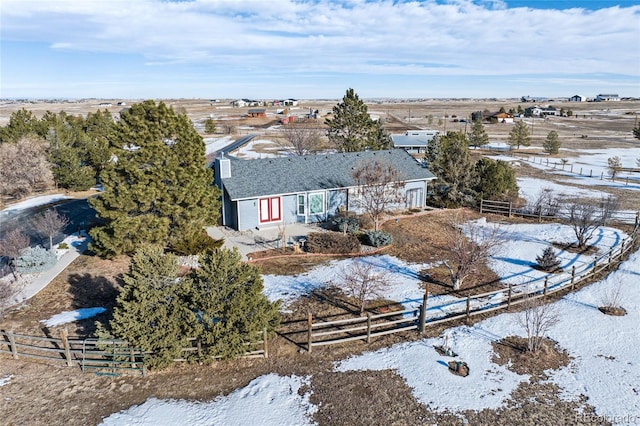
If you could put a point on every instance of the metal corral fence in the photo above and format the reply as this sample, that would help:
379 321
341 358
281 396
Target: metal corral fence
370 326
102 356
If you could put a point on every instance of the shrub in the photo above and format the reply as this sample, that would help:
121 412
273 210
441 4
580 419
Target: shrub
35 259
332 242
63 246
377 238
548 261
196 244
346 224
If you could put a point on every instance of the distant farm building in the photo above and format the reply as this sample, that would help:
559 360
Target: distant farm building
577 98
257 113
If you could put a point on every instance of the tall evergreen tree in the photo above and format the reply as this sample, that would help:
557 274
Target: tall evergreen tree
151 313
551 144
22 123
158 190
351 128
67 152
519 135
227 294
478 136
451 163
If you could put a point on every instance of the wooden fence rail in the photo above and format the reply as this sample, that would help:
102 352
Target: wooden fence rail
367 327
101 356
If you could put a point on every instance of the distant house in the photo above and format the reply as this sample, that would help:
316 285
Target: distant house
274 191
607 97
414 141
577 98
538 111
501 117
257 112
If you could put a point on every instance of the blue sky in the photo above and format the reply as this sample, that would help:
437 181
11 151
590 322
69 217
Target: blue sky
317 49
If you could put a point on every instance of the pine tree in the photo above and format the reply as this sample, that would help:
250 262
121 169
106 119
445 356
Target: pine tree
519 135
453 167
150 312
548 261
495 179
551 144
478 136
233 310
209 126
352 128
159 190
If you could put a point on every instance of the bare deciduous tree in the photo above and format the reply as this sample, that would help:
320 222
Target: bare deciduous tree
537 320
362 281
378 186
24 168
545 204
585 217
612 296
470 246
11 244
49 224
303 138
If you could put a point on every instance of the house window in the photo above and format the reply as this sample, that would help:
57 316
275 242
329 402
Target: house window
270 209
316 203
301 205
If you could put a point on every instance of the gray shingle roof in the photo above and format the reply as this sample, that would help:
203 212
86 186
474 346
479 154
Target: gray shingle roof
274 176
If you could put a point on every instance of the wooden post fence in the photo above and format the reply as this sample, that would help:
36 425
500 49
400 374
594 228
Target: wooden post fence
546 284
423 312
64 339
309 334
509 298
12 342
468 306
265 346
368 327
573 277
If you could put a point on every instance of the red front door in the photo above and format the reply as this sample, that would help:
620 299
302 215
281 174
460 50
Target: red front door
270 210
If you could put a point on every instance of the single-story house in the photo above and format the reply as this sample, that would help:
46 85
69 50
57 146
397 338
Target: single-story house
607 97
501 117
268 192
414 141
577 98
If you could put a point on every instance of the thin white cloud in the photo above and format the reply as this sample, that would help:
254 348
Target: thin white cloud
377 38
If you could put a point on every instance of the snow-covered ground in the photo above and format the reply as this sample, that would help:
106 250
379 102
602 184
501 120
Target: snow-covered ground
605 366
269 400
403 280
71 316
34 202
216 144
248 151
531 188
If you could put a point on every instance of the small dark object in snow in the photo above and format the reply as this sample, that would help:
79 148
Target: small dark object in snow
613 310
445 351
459 368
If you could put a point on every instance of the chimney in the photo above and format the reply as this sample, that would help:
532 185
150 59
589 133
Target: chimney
225 167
